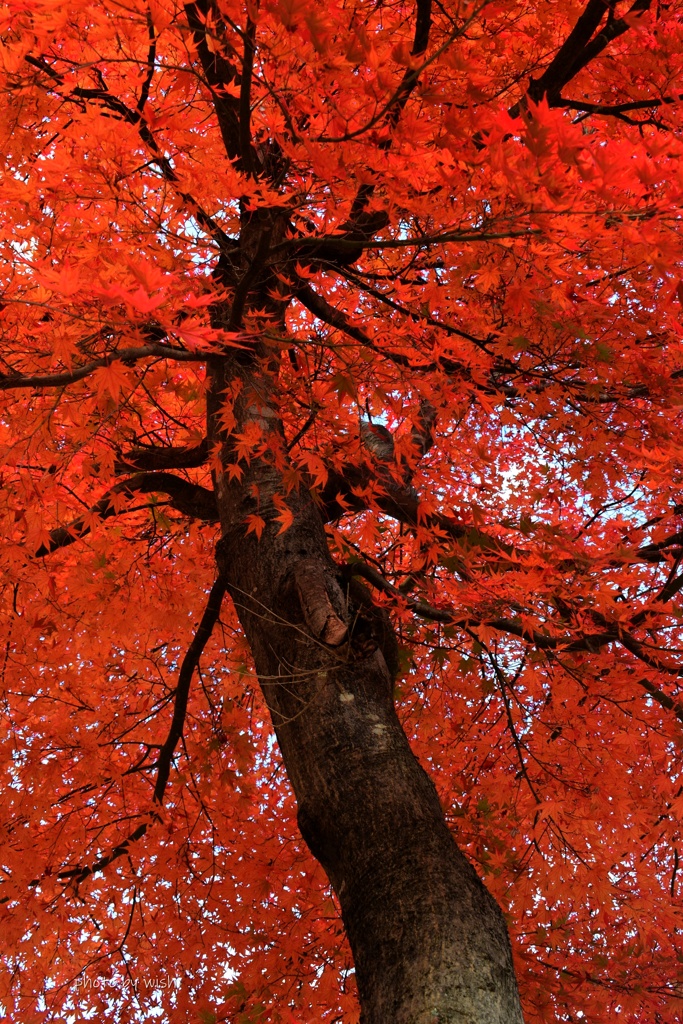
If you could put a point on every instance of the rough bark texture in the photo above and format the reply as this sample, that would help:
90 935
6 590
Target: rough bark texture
429 942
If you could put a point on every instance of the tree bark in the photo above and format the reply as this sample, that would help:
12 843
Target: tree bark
429 943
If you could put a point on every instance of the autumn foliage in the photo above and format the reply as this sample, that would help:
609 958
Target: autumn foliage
468 304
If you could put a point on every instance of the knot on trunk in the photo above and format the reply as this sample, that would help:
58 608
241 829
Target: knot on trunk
317 589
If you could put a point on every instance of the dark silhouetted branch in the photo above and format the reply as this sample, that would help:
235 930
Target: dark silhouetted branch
188 498
156 457
127 355
190 663
194 652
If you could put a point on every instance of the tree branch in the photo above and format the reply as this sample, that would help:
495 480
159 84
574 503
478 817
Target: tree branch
401 504
124 355
329 314
579 49
155 457
611 31
245 96
414 316
151 60
657 552
190 662
328 248
393 110
662 698
135 117
323 310
188 498
412 75
617 108
558 72
592 642
218 72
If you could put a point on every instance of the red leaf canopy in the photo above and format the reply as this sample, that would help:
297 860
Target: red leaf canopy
504 313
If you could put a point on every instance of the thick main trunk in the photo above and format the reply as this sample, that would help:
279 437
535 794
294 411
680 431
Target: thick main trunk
429 942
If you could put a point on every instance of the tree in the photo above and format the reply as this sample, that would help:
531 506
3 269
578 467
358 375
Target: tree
341 362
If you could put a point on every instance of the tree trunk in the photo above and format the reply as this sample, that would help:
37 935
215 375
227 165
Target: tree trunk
429 942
